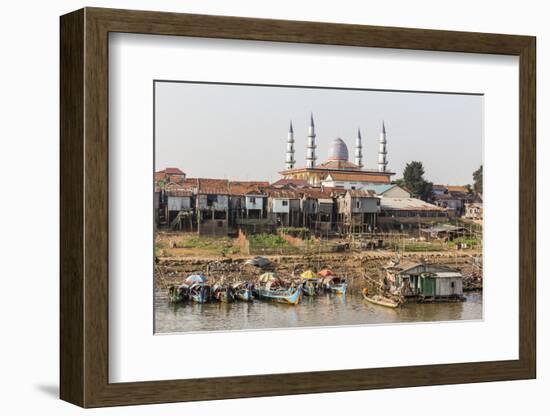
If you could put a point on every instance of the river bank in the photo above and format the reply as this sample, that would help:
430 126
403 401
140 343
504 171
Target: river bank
361 269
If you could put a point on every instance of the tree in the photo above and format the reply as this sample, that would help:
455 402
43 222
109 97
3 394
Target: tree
413 179
478 180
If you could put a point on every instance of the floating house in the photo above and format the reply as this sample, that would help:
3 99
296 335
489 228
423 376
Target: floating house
423 281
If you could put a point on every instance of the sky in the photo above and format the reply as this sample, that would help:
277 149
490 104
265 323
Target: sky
239 132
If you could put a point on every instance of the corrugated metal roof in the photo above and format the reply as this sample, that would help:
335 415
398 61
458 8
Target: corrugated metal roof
407 204
361 193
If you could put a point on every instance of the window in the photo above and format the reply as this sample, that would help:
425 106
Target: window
357 204
252 199
211 199
285 203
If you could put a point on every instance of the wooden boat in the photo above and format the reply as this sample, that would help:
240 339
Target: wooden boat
291 296
200 292
199 289
178 293
335 284
310 284
379 300
243 291
223 293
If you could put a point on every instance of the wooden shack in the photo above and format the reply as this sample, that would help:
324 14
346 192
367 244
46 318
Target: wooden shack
358 211
423 280
212 207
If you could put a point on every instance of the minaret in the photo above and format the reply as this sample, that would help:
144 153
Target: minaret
382 162
290 148
310 157
358 150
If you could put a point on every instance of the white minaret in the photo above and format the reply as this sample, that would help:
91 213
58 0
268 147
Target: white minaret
358 150
290 148
310 157
382 161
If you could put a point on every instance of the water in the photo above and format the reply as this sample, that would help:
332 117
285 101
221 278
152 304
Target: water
322 310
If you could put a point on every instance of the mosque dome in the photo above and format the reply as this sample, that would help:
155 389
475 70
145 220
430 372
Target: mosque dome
338 150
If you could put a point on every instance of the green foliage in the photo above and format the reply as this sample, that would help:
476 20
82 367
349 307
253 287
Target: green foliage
222 245
478 180
471 242
267 241
413 180
301 232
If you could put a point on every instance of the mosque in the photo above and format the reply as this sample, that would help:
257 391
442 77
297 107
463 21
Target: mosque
337 171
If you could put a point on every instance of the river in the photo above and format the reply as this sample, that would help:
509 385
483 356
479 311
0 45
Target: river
322 310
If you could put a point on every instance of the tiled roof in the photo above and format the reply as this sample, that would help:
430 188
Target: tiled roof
457 188
173 171
337 164
213 186
179 192
283 193
358 177
316 193
301 183
247 188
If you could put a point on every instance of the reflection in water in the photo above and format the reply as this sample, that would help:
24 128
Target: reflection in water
322 310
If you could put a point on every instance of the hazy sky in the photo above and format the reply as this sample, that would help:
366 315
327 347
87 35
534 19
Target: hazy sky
240 132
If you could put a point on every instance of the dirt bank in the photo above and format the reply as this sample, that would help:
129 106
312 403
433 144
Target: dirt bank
361 268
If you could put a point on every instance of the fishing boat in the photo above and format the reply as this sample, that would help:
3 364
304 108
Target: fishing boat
310 284
291 296
199 289
243 291
379 300
332 283
274 289
223 293
178 293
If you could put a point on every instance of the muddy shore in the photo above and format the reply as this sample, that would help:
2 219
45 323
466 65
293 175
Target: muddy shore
362 269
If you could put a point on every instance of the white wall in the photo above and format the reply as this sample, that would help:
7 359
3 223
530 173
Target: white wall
30 82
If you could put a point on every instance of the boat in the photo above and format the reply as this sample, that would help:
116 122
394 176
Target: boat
274 289
243 291
310 284
291 296
223 293
332 283
199 289
379 300
178 293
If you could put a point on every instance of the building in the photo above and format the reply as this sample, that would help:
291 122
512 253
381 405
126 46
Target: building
168 175
337 171
212 207
285 206
473 210
358 211
426 281
389 191
318 209
453 197
406 213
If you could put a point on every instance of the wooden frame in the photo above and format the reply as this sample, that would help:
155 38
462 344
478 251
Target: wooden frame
84 207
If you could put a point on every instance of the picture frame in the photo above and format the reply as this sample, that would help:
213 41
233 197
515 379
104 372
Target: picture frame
84 173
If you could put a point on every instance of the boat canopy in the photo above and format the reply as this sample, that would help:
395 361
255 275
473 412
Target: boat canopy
326 272
267 277
308 274
196 278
